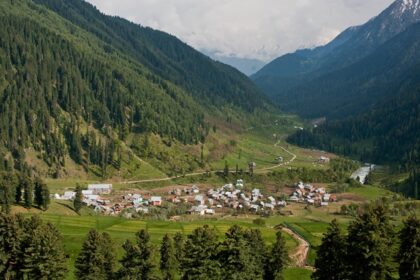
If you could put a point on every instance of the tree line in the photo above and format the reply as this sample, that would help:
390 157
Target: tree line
371 250
31 249
241 255
21 189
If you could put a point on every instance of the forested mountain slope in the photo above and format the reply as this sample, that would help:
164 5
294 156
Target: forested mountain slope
210 82
296 80
66 92
387 134
360 86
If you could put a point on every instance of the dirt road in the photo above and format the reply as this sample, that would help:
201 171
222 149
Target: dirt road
213 172
300 255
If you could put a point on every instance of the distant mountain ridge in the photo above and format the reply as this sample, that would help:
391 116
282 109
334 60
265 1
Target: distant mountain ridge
290 79
371 96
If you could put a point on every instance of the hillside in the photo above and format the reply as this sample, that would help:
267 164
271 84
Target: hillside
296 80
78 94
208 81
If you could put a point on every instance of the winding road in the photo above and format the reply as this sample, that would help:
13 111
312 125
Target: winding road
300 255
213 172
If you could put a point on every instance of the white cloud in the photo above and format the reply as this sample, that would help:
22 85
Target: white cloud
259 29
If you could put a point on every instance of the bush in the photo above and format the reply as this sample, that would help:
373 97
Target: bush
259 222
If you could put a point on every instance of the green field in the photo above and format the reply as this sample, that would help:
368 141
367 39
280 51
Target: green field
75 228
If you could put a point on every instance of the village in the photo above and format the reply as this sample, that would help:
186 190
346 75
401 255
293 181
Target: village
196 201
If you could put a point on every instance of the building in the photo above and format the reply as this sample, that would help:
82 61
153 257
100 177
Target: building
87 192
69 195
156 201
323 159
100 188
199 199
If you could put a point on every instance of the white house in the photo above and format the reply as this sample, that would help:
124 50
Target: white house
100 188
87 192
199 199
69 195
156 200
323 159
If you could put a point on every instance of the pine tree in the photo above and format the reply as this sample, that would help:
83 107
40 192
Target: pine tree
42 194
168 261
258 251
10 235
277 260
28 192
179 247
43 257
96 259
138 261
236 257
226 169
409 252
109 254
331 255
370 238
7 191
200 261
19 188
78 199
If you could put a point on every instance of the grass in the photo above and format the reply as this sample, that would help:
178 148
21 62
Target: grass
370 192
297 274
74 229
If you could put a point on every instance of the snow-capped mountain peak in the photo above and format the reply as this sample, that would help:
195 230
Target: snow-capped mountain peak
410 6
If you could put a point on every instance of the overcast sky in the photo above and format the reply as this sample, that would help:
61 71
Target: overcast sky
258 29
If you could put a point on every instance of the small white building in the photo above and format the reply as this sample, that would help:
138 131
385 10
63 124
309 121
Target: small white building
323 159
282 203
294 198
240 183
156 200
100 188
87 192
69 195
199 199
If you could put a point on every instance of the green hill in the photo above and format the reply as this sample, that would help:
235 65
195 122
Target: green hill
84 90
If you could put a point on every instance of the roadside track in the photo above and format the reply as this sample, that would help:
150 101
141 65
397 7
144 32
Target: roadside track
300 255
213 172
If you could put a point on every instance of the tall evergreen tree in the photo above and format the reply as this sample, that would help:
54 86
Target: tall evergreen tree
7 191
235 256
42 194
200 261
30 249
370 238
277 260
44 256
330 263
409 252
258 251
19 189
139 260
10 234
96 259
226 169
78 199
179 243
28 192
168 261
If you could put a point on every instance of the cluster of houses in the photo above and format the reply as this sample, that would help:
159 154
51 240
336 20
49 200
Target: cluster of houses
234 197
307 193
94 197
208 202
